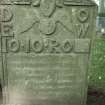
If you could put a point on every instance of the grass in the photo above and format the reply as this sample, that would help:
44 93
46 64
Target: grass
97 70
96 91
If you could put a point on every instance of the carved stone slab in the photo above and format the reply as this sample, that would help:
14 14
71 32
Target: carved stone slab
45 48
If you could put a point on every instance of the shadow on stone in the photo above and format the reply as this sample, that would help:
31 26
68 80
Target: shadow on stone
1 97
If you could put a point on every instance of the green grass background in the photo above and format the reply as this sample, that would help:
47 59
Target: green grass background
97 68
96 91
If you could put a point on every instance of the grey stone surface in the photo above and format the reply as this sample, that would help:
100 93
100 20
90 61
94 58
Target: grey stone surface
45 50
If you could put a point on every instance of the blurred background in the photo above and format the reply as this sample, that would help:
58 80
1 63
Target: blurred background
96 91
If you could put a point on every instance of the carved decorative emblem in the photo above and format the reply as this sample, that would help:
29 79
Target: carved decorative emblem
6 26
49 17
47 26
47 7
45 47
83 15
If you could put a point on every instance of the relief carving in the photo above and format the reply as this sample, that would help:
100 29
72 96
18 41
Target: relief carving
81 30
83 15
14 45
81 22
49 17
40 46
48 54
6 26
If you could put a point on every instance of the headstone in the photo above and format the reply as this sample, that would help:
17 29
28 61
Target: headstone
45 51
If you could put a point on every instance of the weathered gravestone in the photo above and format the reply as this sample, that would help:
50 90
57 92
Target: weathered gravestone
45 50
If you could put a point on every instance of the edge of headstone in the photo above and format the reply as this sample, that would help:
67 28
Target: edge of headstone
66 2
80 2
10 2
